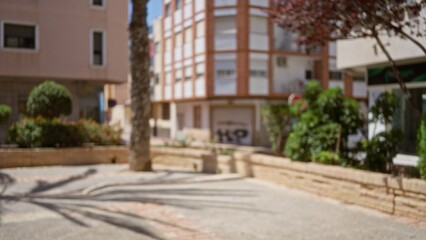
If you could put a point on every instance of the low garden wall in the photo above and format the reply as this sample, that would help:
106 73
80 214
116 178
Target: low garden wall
393 195
22 157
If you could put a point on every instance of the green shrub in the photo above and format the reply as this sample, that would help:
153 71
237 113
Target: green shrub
329 158
42 132
297 146
383 147
277 121
421 147
335 107
312 90
5 112
49 100
381 150
93 132
384 108
324 138
323 125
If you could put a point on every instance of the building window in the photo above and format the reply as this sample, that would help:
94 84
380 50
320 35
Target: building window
98 3
281 61
156 79
200 29
308 75
359 78
258 73
165 110
98 48
157 48
168 10
178 4
336 75
19 36
178 75
225 33
225 73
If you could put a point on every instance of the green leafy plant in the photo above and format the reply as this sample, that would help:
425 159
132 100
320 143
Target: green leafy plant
277 121
297 147
5 112
383 147
312 90
324 124
103 135
41 132
325 157
324 138
49 100
384 108
421 147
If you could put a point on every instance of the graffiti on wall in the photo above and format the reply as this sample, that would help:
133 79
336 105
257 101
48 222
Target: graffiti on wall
233 125
232 132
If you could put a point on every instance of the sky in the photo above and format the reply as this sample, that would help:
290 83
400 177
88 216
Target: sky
154 10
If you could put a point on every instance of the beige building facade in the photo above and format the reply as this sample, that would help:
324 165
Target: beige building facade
218 62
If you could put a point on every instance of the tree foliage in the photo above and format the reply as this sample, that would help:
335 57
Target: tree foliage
49 100
421 147
277 120
384 108
319 21
5 112
383 147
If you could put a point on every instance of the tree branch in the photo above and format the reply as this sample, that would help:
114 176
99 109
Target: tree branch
396 73
409 37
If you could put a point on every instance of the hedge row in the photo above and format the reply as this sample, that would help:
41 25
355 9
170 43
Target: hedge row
42 132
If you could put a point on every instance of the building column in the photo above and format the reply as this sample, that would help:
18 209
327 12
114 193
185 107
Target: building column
243 55
173 120
325 66
348 83
210 49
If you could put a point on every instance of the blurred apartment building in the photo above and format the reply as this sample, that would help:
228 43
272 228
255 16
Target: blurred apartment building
218 62
82 44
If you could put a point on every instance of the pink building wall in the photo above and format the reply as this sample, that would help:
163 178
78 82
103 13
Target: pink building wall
64 28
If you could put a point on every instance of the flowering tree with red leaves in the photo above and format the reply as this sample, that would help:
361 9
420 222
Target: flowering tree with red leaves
319 21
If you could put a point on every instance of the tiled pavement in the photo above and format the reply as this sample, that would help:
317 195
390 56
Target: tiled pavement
108 202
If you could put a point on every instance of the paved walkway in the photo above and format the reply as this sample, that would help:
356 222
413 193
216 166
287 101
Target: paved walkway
108 202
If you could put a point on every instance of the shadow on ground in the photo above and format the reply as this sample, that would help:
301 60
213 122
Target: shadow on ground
91 202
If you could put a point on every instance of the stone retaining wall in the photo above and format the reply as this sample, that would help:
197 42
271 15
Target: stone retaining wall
399 196
10 158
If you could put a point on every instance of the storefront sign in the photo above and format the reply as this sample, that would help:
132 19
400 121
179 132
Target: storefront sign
408 73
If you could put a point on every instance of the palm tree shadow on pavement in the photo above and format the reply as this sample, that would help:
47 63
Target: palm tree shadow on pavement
99 202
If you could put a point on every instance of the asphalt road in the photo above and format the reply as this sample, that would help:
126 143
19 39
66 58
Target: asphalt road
108 202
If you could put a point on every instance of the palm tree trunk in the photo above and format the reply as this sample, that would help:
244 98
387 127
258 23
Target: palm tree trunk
139 152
